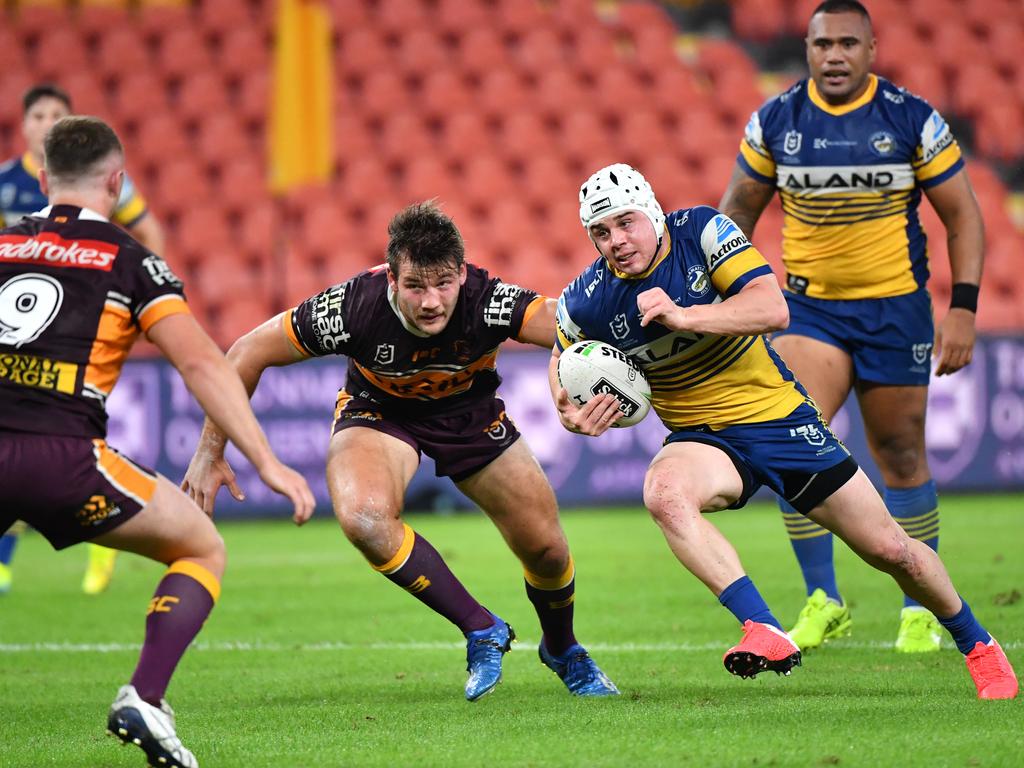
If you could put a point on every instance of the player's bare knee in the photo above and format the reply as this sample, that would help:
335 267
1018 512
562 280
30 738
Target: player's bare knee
901 458
889 553
550 559
368 528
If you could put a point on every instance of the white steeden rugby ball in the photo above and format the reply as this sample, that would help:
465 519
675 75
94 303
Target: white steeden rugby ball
589 368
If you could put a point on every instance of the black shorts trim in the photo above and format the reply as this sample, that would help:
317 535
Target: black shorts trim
805 492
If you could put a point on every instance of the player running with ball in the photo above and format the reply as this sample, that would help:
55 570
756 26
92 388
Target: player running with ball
690 299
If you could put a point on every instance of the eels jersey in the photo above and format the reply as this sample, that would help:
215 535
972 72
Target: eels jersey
850 180
697 379
20 194
393 363
75 291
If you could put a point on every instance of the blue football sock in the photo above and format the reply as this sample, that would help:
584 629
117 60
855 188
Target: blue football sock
916 510
745 602
7 544
965 629
812 546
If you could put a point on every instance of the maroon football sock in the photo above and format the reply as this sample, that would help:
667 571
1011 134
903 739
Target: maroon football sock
182 601
419 570
553 599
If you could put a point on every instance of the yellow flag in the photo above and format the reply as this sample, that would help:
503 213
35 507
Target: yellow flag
300 111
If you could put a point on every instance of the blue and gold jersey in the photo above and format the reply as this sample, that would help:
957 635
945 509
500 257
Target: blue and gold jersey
696 379
20 194
850 181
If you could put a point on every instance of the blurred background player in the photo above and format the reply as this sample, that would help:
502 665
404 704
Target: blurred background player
850 154
66 326
422 337
20 195
737 418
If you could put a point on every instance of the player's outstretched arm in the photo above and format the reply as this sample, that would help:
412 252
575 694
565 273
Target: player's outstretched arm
593 418
744 200
540 328
958 208
216 385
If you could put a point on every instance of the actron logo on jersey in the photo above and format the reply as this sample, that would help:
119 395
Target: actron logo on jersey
728 238
53 250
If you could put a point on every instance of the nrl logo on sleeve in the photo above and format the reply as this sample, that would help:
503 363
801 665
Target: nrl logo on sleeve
792 141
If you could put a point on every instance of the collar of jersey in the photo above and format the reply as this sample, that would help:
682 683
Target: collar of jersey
393 301
87 214
29 164
842 109
666 248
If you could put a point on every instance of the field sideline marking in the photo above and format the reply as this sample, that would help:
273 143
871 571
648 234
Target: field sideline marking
524 645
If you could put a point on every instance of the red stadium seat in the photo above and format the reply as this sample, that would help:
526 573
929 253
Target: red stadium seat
367 178
503 91
183 53
363 50
352 138
593 49
182 184
161 138
585 139
640 131
221 137
421 51
454 17
466 133
155 19
120 52
326 230
242 182
519 17
760 20
383 91
444 91
717 56
954 45
429 176
200 95
238 316
404 137
560 91
87 93
926 80
482 50
1000 131
254 96
241 51
397 16
647 25
617 89
349 14
900 45
221 16
95 18
139 95
539 51
60 50
33 20
485 179
524 135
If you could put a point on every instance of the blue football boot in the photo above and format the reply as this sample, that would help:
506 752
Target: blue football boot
578 671
484 649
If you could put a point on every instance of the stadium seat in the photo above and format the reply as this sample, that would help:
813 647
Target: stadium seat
926 80
94 18
397 16
239 316
121 52
367 178
35 19
466 133
221 16
241 51
161 136
482 50
585 139
155 19
715 56
503 91
640 130
351 136
900 45
221 138
204 235
617 89
524 135
242 181
1000 131
139 95
383 91
362 51
260 229
560 91
181 185
421 51
444 91
429 176
539 51
183 54
326 230
200 95
518 16
404 136
485 178
976 85
59 51
592 50
760 20
954 45
453 17
254 97
646 24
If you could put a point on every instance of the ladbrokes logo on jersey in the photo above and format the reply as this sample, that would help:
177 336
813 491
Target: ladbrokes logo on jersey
53 250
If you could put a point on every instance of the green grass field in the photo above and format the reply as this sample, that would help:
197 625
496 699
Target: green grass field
312 659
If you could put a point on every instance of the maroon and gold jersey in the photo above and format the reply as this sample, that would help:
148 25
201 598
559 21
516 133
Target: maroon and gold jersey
75 291
390 362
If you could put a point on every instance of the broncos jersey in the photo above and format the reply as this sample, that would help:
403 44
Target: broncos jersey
393 363
20 194
850 180
75 292
697 379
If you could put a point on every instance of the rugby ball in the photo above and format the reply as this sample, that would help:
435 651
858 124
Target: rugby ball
589 368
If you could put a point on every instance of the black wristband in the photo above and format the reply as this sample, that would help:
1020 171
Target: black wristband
965 296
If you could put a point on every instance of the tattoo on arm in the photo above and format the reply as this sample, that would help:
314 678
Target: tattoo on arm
745 200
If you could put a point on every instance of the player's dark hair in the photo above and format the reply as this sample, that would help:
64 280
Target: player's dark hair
842 6
44 91
426 237
76 144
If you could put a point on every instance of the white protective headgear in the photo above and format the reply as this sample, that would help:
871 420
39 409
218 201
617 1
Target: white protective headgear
617 188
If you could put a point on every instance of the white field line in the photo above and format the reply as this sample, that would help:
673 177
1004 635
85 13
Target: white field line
523 645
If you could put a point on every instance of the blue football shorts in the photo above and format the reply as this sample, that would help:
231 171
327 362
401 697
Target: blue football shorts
889 340
798 456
